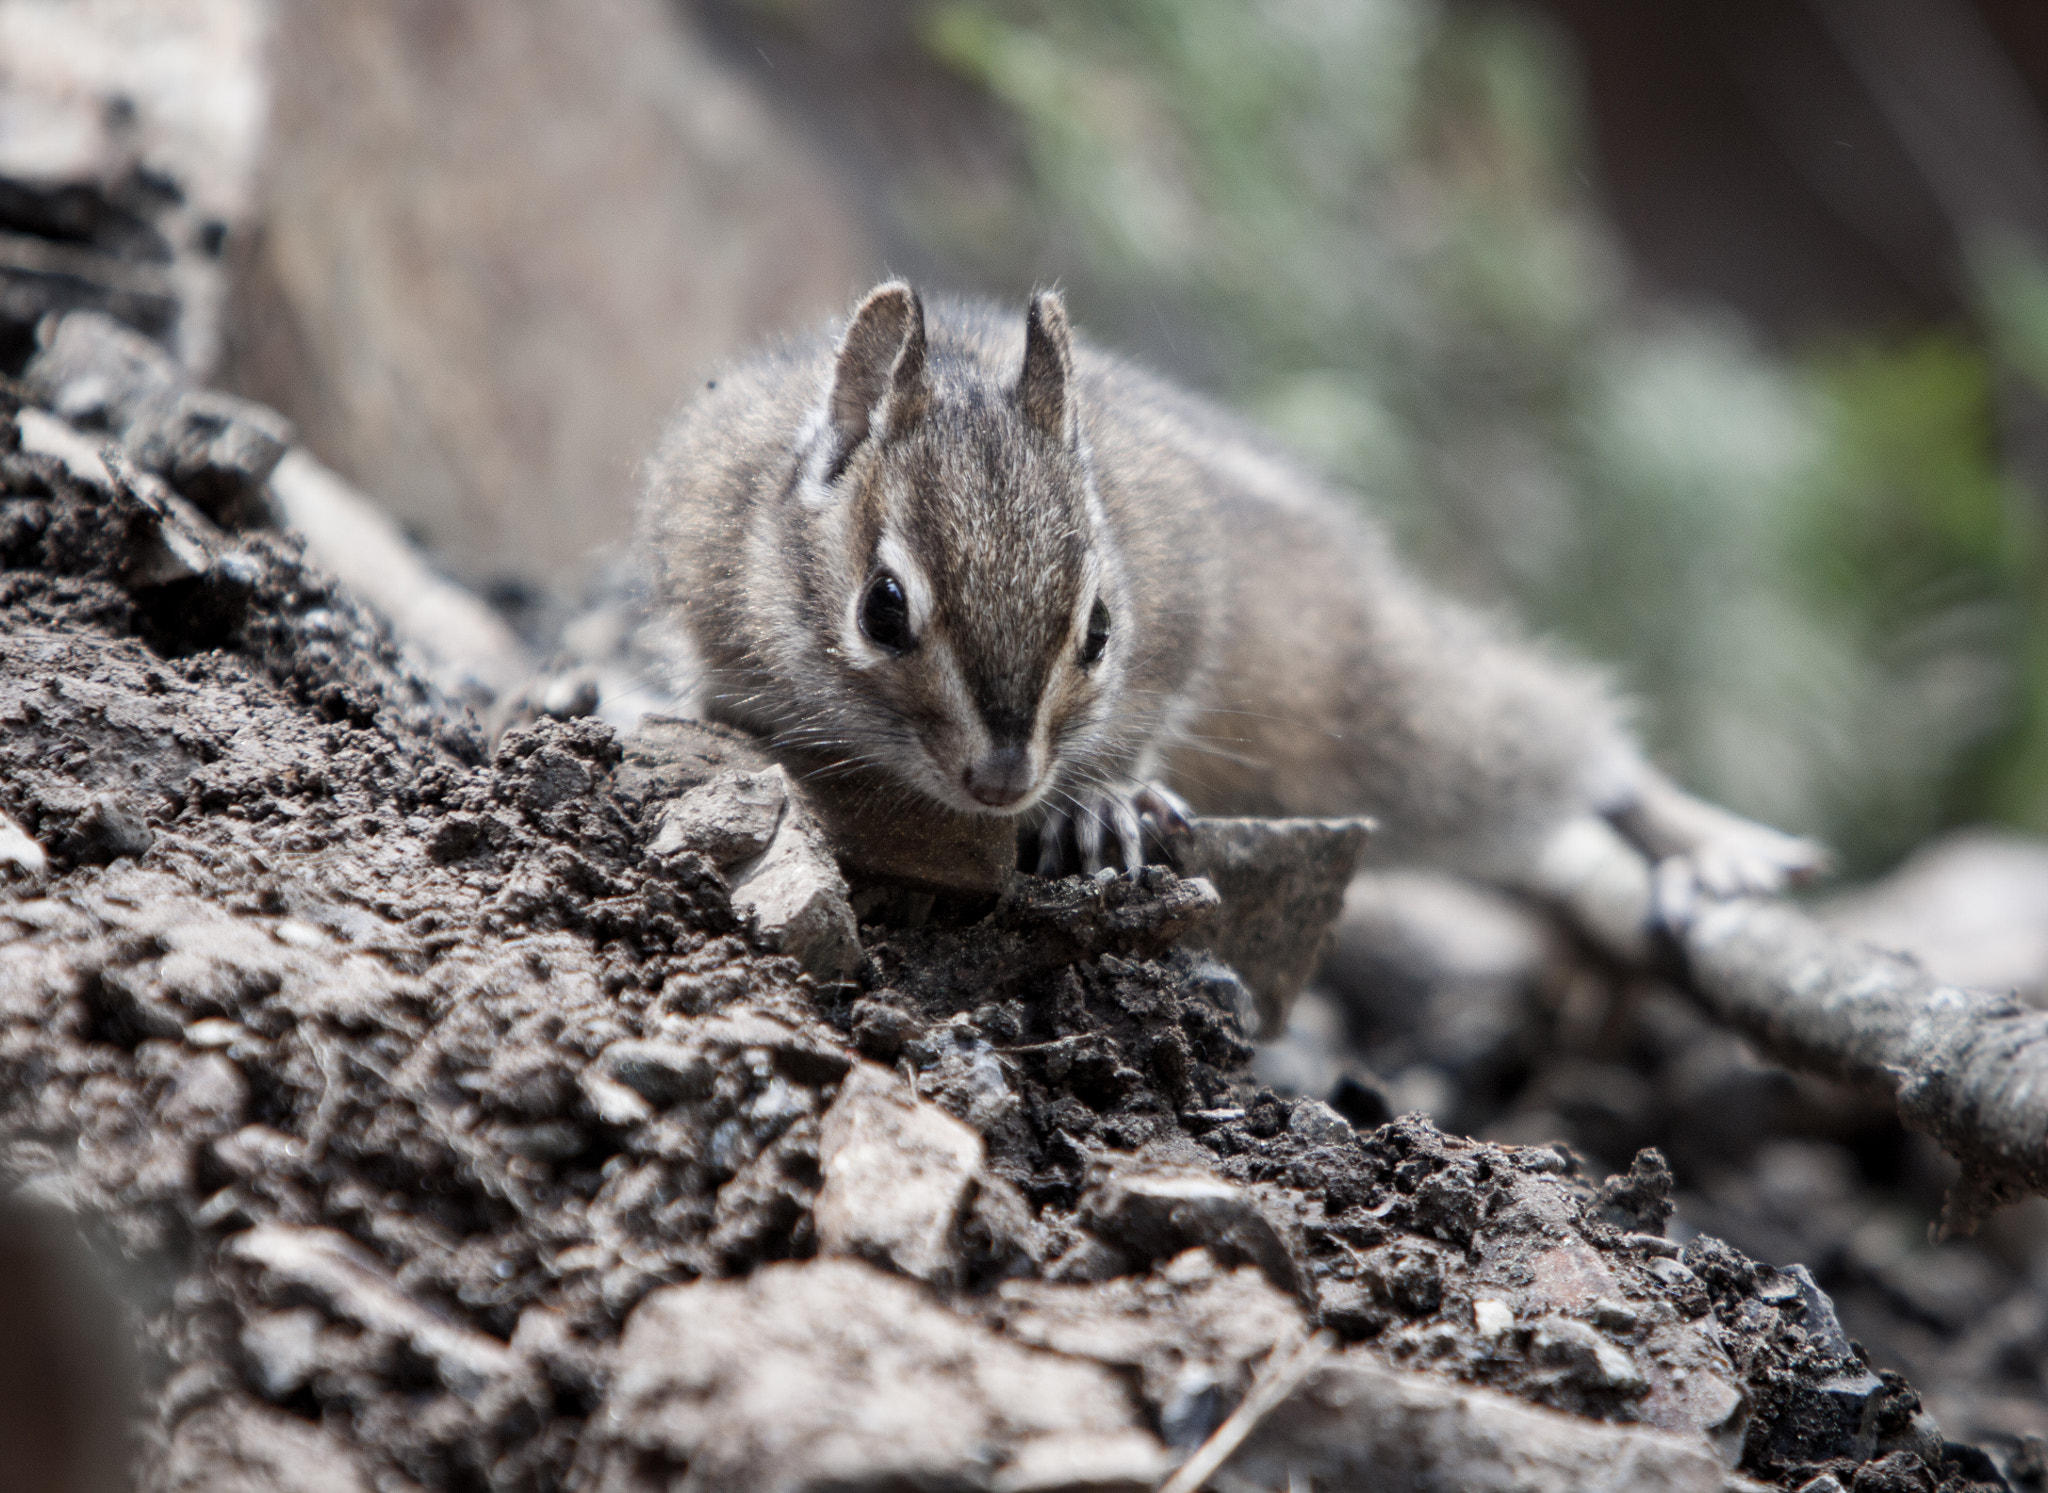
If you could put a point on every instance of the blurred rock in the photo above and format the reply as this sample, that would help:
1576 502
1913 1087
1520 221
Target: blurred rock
1358 1424
129 136
499 242
1193 1332
215 449
832 1374
239 1447
20 853
1972 907
1441 983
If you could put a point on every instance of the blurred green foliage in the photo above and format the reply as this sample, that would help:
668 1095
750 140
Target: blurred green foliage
1810 573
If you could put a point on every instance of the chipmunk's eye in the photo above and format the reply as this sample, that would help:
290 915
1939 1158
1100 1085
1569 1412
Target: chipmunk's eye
1098 633
885 614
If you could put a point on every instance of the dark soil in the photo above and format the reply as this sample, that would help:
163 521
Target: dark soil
310 955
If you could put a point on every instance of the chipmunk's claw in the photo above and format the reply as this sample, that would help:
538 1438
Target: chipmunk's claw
1111 828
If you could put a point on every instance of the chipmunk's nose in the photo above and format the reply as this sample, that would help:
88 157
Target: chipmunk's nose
999 778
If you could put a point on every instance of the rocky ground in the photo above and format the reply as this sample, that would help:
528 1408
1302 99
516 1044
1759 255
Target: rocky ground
392 1097
443 1114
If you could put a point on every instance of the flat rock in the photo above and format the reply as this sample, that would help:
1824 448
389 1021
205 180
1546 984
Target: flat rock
1359 1424
730 819
1192 1331
832 1374
899 1175
664 757
240 1447
795 898
1156 1213
215 449
1282 883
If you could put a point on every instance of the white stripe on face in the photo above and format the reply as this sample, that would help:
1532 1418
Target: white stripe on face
893 556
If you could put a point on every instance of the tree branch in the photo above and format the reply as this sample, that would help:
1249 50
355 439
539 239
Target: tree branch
1967 1067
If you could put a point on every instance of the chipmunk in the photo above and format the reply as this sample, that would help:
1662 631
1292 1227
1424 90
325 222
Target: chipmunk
1020 576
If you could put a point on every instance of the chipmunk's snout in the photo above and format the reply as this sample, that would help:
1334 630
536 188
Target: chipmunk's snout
1001 778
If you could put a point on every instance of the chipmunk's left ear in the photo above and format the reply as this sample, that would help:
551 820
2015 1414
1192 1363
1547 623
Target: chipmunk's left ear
1045 390
879 387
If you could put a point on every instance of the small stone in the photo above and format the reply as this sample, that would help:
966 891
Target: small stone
1671 1272
1193 1410
1568 1278
1640 1198
1614 1315
1653 1244
661 1073
1591 1357
215 449
283 1349
829 1373
568 696
1351 1310
1157 1214
553 776
455 838
549 1140
898 1176
881 1029
297 933
730 819
1491 1318
1316 1121
796 900
209 1092
1898 1472
215 1031
43 434
1088 1262
612 1101
1282 883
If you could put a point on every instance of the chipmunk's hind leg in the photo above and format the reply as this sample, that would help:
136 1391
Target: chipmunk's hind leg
1703 852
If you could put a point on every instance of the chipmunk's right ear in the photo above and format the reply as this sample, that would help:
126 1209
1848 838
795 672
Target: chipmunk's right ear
878 383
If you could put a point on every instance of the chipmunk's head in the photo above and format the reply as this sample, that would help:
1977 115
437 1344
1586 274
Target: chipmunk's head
964 594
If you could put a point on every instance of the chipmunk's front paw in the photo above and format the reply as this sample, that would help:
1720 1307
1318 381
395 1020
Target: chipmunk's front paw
1109 827
1741 858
